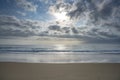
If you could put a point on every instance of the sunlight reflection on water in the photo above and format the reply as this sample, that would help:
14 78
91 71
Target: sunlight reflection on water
60 47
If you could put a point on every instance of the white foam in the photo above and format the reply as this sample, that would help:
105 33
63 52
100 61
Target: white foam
36 58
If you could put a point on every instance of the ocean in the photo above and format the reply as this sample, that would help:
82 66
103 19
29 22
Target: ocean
60 53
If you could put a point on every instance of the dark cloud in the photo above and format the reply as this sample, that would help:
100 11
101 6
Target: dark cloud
79 9
102 9
54 27
63 30
108 35
66 30
74 30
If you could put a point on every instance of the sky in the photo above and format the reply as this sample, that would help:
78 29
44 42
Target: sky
96 21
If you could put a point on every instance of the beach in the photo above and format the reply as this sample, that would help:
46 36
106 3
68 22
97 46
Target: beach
51 71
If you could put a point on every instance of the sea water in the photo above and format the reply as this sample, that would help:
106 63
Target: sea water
61 53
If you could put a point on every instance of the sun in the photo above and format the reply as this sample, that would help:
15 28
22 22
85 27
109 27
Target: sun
61 16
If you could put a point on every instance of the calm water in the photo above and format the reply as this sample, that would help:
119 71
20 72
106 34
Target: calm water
59 53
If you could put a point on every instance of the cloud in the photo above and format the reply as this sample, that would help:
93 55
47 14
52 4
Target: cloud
63 30
26 5
74 30
66 30
12 26
54 27
102 15
96 12
21 13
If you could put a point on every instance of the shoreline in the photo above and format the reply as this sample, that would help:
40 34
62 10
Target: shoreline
63 58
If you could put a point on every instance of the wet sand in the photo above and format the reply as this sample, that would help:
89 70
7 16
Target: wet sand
73 71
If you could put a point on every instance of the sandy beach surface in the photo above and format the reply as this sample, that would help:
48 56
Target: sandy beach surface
72 71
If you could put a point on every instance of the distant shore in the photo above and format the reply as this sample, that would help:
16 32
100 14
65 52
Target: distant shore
71 71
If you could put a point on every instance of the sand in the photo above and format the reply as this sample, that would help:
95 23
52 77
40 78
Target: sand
75 71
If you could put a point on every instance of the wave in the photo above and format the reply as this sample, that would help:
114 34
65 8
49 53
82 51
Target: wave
34 49
40 50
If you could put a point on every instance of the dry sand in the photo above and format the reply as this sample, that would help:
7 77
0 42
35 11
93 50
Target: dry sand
75 71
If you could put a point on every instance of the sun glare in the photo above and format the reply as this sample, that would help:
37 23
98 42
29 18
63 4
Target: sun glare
60 47
61 16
